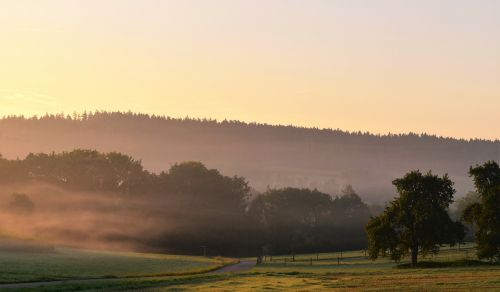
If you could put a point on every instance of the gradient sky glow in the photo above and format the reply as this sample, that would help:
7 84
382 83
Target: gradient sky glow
381 66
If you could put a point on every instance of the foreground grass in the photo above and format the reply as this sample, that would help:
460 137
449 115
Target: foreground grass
66 263
385 280
309 279
452 270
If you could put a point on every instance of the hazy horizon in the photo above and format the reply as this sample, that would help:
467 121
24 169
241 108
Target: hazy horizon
384 66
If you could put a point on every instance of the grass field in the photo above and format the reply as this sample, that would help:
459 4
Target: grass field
64 263
451 270
451 279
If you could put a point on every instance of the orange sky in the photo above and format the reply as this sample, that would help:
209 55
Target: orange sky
380 66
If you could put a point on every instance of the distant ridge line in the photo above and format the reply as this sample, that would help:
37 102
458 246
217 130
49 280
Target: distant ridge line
96 115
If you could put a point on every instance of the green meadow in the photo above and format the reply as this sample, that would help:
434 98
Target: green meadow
47 264
452 269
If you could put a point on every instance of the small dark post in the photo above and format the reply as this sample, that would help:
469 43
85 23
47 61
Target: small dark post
311 262
317 257
204 247
293 257
338 261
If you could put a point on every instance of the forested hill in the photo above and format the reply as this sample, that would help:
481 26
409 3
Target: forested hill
266 155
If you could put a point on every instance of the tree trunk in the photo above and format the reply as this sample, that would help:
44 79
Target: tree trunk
414 246
414 255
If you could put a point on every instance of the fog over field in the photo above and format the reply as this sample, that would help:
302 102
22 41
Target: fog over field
90 199
268 156
44 212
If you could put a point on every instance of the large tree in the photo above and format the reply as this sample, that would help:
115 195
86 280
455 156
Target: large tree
417 220
485 214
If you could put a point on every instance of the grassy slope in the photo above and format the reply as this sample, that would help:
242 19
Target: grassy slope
65 263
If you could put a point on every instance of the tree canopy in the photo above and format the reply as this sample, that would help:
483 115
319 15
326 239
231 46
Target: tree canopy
485 214
417 220
80 169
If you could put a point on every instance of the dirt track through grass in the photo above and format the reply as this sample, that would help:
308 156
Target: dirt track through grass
242 266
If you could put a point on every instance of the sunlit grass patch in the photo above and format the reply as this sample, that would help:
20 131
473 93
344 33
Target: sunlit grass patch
67 263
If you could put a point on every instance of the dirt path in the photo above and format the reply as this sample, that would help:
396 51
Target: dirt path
242 266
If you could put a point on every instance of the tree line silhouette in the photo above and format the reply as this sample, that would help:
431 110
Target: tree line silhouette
193 206
267 155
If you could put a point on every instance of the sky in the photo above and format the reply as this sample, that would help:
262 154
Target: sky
380 66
